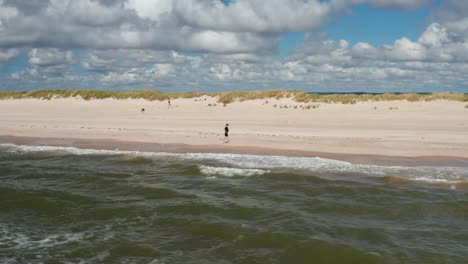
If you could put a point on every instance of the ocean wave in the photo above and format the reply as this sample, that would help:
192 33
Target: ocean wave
16 240
250 165
76 151
231 172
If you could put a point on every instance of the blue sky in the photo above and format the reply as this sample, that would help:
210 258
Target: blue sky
378 26
325 46
371 25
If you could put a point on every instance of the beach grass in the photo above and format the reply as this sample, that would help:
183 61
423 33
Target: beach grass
236 96
93 94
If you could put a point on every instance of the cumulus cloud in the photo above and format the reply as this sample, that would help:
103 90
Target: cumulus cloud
29 7
121 60
206 74
140 44
8 54
453 10
140 56
243 26
436 59
50 57
454 15
319 64
436 43
95 63
244 57
316 49
384 4
182 25
45 63
253 15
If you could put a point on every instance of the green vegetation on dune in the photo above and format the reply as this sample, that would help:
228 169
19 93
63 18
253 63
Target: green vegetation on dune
92 94
236 96
354 98
233 96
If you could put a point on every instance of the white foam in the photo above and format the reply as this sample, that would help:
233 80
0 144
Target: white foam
237 164
24 148
231 172
322 167
8 261
17 240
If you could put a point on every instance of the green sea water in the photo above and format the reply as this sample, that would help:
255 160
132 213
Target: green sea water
65 205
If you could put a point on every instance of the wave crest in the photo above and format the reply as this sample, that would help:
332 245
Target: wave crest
230 172
251 165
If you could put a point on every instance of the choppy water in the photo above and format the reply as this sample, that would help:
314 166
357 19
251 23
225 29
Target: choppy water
65 205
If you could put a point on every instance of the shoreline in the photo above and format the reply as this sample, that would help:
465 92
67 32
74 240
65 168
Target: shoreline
385 133
110 144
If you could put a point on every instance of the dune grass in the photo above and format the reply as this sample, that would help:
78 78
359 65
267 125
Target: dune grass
236 96
92 94
354 98
240 96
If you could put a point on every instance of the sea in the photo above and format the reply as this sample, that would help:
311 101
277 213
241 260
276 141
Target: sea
70 205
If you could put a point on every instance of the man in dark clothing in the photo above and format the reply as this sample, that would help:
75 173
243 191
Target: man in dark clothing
226 133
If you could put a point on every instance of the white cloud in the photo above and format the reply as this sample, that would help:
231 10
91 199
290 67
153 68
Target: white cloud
243 57
240 15
150 9
8 54
364 50
7 12
453 15
139 44
228 42
384 4
184 25
126 77
164 69
434 36
50 57
436 43
398 4
254 15
97 64
404 49
15 75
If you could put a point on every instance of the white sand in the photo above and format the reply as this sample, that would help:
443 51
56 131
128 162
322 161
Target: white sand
437 128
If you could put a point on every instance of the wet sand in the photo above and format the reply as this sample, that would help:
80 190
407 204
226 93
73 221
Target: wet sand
107 144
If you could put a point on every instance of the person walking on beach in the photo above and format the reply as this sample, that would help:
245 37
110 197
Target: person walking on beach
169 103
226 133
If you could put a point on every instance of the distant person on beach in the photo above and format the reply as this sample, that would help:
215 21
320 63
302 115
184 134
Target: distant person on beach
142 110
168 103
226 133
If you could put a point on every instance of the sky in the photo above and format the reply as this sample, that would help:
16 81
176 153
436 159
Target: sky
218 45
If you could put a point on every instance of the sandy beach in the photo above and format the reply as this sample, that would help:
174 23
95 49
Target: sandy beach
436 130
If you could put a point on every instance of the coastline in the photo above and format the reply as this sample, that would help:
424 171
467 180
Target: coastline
392 133
110 144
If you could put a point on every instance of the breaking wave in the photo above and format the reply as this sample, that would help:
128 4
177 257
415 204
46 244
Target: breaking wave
230 165
231 172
